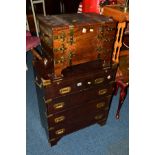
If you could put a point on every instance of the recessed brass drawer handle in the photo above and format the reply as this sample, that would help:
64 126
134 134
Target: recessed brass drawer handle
99 80
58 105
98 117
102 91
65 90
100 105
60 131
59 119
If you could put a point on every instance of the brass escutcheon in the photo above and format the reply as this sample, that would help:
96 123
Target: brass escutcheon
60 131
58 105
65 90
59 119
100 105
99 80
102 91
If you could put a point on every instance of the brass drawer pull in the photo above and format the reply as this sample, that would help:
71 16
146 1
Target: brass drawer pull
102 91
59 119
97 117
100 105
99 80
60 131
65 90
59 105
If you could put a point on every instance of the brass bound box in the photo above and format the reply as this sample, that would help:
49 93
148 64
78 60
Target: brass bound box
71 39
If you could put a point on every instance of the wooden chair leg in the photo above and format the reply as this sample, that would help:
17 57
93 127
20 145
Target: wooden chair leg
123 93
116 89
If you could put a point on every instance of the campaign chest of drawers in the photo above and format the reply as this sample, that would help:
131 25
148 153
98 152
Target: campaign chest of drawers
80 98
71 39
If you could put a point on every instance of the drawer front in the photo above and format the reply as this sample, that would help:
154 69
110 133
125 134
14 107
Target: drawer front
86 111
61 130
74 85
75 99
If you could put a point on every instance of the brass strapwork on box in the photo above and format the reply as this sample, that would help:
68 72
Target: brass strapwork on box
71 28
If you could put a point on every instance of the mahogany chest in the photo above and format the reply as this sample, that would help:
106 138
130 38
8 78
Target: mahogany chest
78 99
71 39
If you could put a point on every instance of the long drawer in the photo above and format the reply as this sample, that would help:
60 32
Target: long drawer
61 130
91 110
76 99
